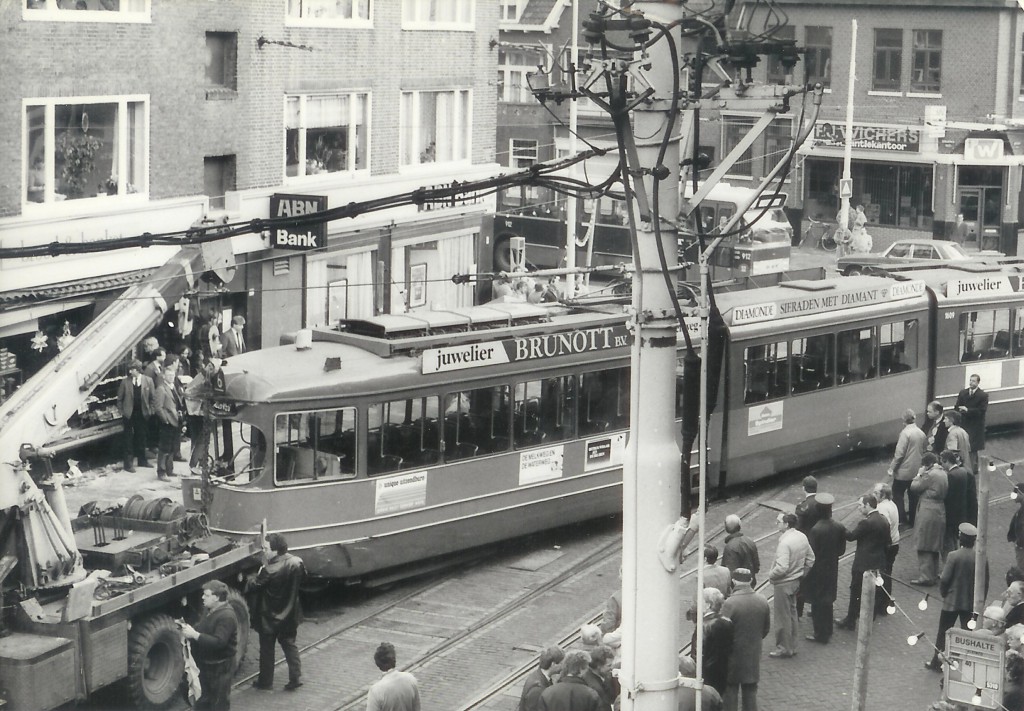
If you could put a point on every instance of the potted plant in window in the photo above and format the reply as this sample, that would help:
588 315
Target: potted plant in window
109 186
78 150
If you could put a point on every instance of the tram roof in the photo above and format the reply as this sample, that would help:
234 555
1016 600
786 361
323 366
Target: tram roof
968 282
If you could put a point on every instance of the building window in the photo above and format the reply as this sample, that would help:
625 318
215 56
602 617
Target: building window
514 68
777 140
221 60
326 133
523 153
510 10
329 12
818 60
926 73
84 150
898 195
435 127
734 129
87 10
437 14
776 72
888 60
218 178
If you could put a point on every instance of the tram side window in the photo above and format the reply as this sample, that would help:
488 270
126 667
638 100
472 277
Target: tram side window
401 434
544 411
812 363
857 355
604 401
766 369
897 347
476 422
985 335
315 446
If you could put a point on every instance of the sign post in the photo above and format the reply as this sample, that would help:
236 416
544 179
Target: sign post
980 667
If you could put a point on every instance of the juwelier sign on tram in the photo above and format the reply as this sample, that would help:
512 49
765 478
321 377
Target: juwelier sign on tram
515 350
300 237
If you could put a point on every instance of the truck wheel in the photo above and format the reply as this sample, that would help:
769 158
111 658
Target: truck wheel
502 259
241 610
155 662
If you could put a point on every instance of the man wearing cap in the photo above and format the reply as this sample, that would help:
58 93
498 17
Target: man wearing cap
739 551
872 536
548 666
751 619
214 642
957 588
828 541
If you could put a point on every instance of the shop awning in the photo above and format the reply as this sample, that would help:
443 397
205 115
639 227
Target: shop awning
20 298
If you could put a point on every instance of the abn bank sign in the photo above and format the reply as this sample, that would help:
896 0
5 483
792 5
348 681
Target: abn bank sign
301 235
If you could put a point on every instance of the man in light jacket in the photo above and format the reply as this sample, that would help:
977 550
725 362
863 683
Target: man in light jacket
906 461
793 560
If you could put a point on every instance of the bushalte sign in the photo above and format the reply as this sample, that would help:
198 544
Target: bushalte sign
303 236
903 139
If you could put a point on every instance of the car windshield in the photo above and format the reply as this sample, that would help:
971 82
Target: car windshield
955 251
770 216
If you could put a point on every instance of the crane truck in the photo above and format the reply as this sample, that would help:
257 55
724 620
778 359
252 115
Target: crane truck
93 600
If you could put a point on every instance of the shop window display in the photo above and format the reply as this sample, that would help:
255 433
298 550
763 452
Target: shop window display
897 195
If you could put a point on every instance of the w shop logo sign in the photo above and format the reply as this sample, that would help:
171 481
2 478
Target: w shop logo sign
981 150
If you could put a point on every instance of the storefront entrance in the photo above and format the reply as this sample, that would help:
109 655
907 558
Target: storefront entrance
979 198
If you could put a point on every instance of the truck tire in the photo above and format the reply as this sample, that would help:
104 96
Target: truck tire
241 610
155 662
502 260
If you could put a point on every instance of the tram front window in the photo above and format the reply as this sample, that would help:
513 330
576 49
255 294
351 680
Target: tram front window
315 445
235 451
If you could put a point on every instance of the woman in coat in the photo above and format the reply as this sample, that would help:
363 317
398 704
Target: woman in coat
718 638
931 485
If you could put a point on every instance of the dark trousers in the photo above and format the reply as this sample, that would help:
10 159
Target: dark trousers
134 438
170 436
821 618
291 656
882 598
907 515
215 678
199 438
853 611
947 618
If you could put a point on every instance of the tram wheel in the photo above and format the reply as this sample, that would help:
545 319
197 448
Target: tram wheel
155 662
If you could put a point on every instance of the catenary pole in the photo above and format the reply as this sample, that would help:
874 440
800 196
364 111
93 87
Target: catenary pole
651 493
570 201
864 622
844 204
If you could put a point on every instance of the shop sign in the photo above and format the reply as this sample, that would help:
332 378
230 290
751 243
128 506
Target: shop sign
982 150
902 139
980 286
301 237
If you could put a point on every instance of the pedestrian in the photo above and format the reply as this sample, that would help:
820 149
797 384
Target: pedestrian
549 665
1013 687
807 510
196 426
886 507
739 551
961 502
1015 533
751 622
598 675
934 427
214 644
960 230
793 560
1013 603
715 575
931 485
872 536
972 404
612 616
395 690
278 612
828 541
957 589
233 342
957 438
208 336
167 411
135 403
906 462
153 369
993 619
570 692
718 640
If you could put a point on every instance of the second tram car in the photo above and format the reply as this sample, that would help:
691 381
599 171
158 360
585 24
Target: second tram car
391 441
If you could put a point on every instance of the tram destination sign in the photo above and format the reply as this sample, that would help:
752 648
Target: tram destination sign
524 348
824 301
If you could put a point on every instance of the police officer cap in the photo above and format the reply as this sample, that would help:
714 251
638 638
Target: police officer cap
742 575
824 499
967 529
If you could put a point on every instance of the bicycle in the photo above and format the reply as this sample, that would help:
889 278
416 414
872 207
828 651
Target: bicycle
821 235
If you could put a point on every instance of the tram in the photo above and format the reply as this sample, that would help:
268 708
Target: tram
382 443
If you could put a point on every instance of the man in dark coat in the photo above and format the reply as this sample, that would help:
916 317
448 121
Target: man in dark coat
278 611
807 515
214 643
739 551
1015 532
135 403
872 536
972 404
961 501
751 622
570 692
599 675
934 427
828 541
1013 603
167 411
957 588
548 666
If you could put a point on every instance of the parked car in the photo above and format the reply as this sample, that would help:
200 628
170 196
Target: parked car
904 251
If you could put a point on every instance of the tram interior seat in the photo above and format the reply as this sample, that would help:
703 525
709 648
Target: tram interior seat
461 450
971 355
386 463
499 444
423 458
532 438
594 427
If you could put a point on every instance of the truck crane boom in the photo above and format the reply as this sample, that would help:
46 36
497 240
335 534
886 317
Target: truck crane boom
37 411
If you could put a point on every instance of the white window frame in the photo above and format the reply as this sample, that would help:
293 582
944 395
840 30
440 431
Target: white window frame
508 71
528 150
50 11
461 134
415 12
291 20
49 104
510 10
352 118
